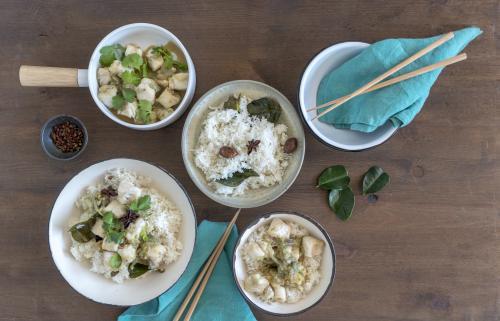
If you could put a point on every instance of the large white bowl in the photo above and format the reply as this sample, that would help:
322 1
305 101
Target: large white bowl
193 126
327 267
345 139
95 286
144 35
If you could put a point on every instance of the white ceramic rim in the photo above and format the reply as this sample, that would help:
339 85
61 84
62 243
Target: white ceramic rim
317 231
306 115
186 100
228 200
59 261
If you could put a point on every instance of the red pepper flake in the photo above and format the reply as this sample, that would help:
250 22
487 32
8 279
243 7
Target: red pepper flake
67 137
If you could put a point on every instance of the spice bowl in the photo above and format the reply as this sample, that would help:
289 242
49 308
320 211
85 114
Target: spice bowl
48 145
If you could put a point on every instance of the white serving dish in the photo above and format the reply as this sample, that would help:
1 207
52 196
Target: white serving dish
327 268
193 126
345 139
95 286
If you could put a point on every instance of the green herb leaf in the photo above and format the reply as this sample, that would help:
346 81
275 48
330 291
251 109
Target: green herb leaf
232 103
108 218
115 261
116 236
130 78
145 70
341 201
144 109
128 94
144 235
133 61
237 178
137 269
334 177
113 227
265 108
110 54
143 203
117 102
180 66
82 231
374 180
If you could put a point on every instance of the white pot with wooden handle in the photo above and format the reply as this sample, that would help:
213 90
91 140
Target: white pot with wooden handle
142 34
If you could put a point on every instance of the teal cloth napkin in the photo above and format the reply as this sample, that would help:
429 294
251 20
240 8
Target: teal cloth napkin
220 301
399 103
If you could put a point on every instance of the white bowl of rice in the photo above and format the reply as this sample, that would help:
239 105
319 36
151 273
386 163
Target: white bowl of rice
235 157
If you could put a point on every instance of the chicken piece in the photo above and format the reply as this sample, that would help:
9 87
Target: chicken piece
129 110
279 293
155 254
268 294
103 76
127 191
279 229
256 283
162 113
116 208
97 228
291 253
145 90
151 83
292 295
311 246
162 82
254 252
134 230
165 73
127 253
106 94
155 60
179 81
117 68
108 245
168 98
106 257
132 49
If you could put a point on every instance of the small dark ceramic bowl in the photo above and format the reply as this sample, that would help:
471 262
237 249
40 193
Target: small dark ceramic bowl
48 145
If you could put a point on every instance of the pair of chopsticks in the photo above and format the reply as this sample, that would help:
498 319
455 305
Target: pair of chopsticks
377 84
204 275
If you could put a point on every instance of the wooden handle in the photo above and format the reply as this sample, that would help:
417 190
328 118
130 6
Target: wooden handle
48 76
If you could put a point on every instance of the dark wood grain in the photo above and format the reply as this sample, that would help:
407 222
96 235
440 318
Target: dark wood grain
427 250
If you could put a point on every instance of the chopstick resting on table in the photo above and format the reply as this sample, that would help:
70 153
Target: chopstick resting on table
389 72
403 77
205 274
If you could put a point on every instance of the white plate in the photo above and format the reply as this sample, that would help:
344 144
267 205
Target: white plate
350 140
327 268
95 286
192 129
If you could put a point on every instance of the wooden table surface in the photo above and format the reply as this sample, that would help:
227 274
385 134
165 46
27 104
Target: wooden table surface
427 250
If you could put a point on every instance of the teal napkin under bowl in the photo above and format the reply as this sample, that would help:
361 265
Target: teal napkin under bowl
399 103
220 301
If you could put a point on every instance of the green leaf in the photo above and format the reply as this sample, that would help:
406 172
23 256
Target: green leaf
128 94
341 201
265 108
144 235
145 70
115 236
133 61
144 109
137 269
374 180
108 218
334 177
130 78
115 261
117 102
180 66
237 178
232 103
113 227
143 203
82 231
110 54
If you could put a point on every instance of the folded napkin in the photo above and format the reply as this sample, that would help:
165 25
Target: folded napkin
399 103
220 301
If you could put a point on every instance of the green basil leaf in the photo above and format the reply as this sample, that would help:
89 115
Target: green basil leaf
133 61
265 108
128 94
334 177
232 103
115 261
82 231
237 178
374 180
341 201
117 102
110 54
108 218
144 109
143 203
137 269
130 78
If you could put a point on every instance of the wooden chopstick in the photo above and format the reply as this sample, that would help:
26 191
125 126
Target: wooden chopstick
205 273
389 72
403 77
